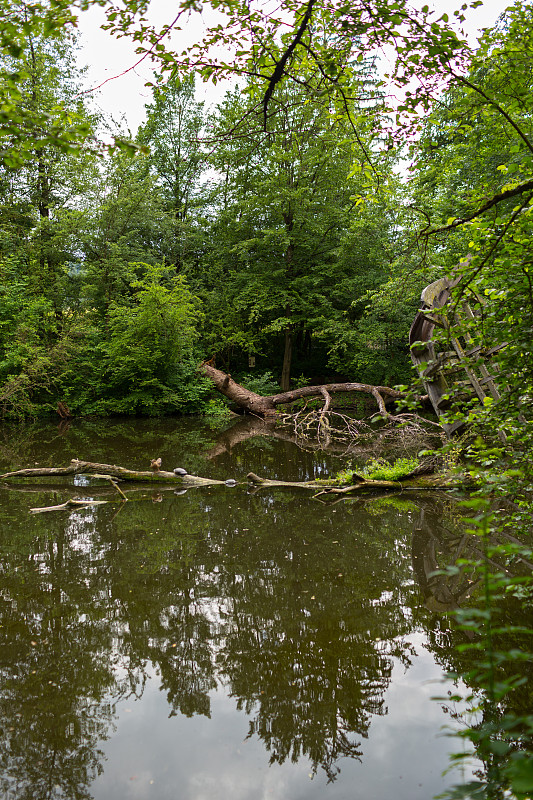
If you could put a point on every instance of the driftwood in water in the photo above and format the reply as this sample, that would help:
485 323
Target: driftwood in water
72 503
77 467
76 502
418 482
113 473
265 406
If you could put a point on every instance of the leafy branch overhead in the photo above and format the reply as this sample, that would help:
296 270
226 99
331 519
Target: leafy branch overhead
282 241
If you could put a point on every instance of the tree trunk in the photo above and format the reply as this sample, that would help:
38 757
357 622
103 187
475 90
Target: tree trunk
287 359
77 467
266 406
249 401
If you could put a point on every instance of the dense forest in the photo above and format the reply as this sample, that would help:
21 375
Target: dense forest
210 238
285 235
287 241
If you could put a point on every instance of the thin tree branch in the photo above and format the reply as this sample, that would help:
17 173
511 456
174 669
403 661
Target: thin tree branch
280 66
497 198
148 53
497 106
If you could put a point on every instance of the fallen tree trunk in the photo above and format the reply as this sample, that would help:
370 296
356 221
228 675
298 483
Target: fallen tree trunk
112 473
414 483
265 406
77 467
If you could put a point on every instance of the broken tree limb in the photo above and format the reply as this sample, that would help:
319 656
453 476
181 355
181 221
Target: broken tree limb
327 400
323 424
72 503
78 467
113 483
416 483
324 485
265 406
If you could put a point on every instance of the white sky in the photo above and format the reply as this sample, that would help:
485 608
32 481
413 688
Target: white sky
124 97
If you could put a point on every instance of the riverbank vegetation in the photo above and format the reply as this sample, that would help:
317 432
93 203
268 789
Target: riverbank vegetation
285 236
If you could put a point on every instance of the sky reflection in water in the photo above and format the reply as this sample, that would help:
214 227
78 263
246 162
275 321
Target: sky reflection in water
150 639
199 758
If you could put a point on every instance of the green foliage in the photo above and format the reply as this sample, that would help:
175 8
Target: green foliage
474 180
172 133
495 662
289 256
297 250
379 469
31 118
217 409
262 383
149 356
370 341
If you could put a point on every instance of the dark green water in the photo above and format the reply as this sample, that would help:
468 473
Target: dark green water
215 643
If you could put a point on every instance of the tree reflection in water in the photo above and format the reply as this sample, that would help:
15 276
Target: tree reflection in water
296 609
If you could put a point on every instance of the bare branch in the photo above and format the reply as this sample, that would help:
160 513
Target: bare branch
280 66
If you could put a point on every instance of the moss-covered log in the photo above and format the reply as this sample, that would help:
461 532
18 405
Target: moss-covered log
417 483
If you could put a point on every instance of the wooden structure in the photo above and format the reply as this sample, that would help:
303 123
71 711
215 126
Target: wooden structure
459 372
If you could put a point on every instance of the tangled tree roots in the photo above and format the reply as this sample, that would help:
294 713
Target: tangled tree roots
400 433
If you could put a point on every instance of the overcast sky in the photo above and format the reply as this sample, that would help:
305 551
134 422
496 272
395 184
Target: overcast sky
124 97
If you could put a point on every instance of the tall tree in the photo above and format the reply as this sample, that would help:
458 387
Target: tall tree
172 132
49 178
285 200
36 192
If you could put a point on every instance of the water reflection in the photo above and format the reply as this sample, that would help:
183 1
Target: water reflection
297 610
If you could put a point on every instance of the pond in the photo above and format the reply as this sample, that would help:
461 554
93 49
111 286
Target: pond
217 642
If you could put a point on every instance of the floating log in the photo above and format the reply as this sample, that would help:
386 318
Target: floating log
414 483
112 473
77 467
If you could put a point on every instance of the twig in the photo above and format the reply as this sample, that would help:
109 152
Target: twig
72 503
112 482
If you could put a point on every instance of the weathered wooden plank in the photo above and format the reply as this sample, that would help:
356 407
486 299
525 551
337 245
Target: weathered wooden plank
435 368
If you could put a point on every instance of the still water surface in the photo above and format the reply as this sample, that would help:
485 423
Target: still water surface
218 642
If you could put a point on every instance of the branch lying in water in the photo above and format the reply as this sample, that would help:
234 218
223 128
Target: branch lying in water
77 467
72 503
414 482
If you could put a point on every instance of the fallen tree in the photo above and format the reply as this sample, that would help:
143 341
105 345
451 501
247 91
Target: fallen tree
265 406
415 481
106 471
